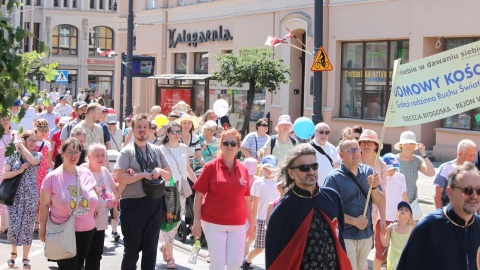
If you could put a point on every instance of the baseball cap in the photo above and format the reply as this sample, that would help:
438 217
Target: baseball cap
269 161
57 120
80 104
391 161
111 111
104 108
251 164
18 102
61 97
402 204
64 120
111 119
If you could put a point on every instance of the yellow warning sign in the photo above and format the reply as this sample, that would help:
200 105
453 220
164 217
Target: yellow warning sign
321 62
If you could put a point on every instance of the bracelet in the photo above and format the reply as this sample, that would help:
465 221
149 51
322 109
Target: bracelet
374 187
425 156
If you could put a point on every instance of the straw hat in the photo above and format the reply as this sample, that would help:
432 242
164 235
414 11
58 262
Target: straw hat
188 117
370 135
406 137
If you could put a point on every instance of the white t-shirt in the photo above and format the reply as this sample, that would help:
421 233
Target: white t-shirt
64 110
394 189
324 166
266 191
80 97
46 144
180 154
28 118
106 197
50 117
53 96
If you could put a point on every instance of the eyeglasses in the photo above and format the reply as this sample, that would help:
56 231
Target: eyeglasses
32 141
233 144
175 132
306 167
326 132
353 150
366 143
212 130
73 153
104 112
468 190
262 125
153 127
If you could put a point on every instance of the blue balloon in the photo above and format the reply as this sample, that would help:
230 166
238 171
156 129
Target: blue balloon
304 128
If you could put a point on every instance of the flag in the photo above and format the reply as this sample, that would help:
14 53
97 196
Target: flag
107 53
289 35
274 41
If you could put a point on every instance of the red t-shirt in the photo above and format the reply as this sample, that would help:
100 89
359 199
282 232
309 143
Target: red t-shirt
58 142
225 192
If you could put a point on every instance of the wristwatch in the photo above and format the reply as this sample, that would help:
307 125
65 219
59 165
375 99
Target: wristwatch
425 156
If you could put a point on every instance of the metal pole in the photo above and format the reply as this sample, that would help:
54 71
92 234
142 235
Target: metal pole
317 116
122 76
129 107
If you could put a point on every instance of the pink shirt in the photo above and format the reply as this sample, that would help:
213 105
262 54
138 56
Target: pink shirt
62 187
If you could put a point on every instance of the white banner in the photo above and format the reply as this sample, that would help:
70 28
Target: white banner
436 87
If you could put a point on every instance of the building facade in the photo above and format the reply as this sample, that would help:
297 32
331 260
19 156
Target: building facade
73 30
361 38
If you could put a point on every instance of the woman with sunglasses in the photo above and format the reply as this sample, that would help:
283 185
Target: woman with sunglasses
209 142
222 205
255 141
152 134
22 213
177 156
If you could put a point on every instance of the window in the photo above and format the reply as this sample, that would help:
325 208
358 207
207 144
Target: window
64 40
367 69
92 4
35 2
180 63
201 63
55 3
100 4
469 119
34 39
99 37
74 3
151 4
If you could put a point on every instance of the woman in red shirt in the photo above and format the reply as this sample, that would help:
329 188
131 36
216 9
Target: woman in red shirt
222 214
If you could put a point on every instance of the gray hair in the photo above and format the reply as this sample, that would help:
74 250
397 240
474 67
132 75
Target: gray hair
464 144
303 149
463 169
96 146
78 131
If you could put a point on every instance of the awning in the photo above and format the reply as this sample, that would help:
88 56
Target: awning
178 77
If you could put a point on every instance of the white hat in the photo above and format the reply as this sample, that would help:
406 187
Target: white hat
406 137
64 120
186 116
284 119
370 135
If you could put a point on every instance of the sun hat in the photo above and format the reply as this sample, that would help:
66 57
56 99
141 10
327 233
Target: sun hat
402 204
111 119
270 161
391 160
284 119
406 137
188 117
173 114
251 165
370 135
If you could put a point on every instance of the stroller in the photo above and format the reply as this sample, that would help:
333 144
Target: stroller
185 227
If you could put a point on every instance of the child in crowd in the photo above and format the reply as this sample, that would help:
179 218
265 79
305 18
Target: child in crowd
395 192
251 164
281 191
263 190
397 234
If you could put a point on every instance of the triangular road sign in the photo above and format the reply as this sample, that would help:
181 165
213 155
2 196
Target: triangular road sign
321 62
62 77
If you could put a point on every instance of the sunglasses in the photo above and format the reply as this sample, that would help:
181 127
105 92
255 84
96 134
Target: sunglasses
153 127
112 124
306 167
233 144
326 132
175 132
353 150
366 143
263 125
468 190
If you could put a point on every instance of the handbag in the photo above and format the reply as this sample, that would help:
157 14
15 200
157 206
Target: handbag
8 187
172 207
60 241
186 188
416 210
154 188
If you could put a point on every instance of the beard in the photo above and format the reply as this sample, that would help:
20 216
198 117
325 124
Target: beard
82 116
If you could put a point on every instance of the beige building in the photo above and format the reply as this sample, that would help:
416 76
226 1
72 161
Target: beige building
361 38
74 30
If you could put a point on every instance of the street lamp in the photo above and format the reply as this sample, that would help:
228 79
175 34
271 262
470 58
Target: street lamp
317 116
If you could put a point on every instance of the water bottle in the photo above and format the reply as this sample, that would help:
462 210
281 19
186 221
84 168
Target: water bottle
192 259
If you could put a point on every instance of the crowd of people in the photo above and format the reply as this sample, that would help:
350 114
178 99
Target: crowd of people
308 204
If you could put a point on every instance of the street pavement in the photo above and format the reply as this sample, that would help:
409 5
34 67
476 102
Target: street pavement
112 255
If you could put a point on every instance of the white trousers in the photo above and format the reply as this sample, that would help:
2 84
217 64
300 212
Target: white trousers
226 245
357 251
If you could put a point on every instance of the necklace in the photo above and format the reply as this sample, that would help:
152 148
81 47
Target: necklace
306 197
454 223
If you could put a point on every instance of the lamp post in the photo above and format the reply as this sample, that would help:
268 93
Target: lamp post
128 73
317 116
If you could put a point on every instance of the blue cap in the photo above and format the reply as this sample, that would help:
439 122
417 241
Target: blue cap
61 98
402 204
269 161
17 102
391 160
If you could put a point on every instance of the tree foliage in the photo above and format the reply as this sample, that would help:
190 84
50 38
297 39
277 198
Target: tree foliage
18 71
254 66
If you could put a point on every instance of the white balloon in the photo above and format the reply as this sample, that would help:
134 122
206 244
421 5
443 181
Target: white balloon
220 107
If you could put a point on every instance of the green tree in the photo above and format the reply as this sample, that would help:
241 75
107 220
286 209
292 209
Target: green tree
254 66
18 70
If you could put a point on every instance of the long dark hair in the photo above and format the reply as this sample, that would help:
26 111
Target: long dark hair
169 127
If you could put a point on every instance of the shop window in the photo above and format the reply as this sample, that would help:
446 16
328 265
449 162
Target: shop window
70 86
469 119
102 85
35 2
180 63
99 37
199 94
238 101
366 80
64 40
201 63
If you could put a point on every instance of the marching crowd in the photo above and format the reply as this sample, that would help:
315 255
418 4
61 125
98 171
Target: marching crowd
308 204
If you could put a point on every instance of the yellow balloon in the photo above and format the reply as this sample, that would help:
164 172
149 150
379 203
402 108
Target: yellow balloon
161 120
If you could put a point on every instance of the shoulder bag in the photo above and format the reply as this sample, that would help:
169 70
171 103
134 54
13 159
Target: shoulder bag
186 189
8 187
321 151
154 188
60 241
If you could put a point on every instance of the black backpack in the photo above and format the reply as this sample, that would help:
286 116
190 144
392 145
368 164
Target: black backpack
273 140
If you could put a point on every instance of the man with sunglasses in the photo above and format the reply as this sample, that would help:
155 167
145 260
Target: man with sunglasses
449 237
302 229
327 155
352 180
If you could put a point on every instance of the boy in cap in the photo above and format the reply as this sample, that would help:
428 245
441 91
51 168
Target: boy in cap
395 192
264 190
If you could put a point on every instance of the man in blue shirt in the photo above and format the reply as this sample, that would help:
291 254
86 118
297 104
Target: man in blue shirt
352 181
